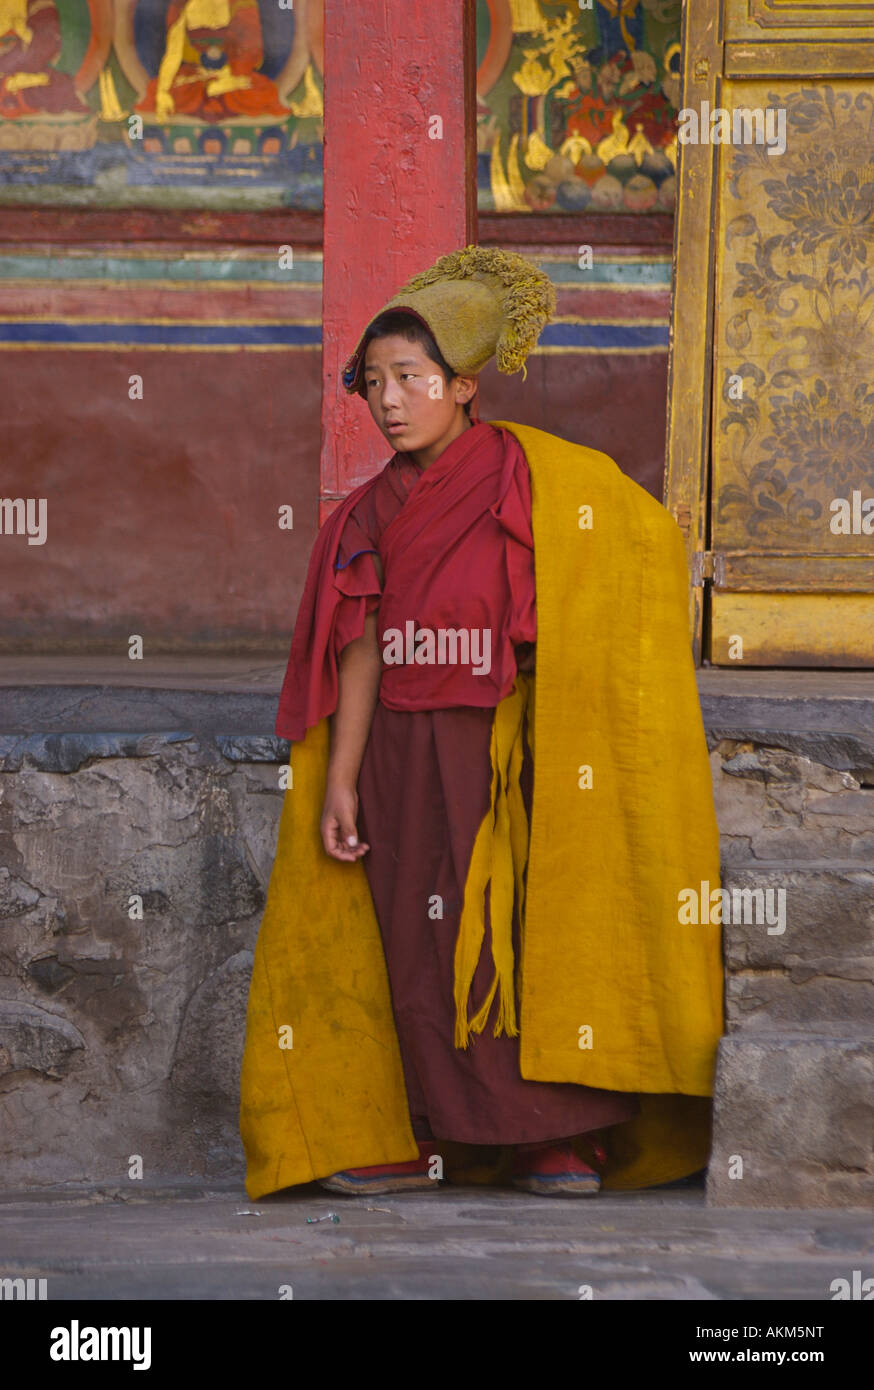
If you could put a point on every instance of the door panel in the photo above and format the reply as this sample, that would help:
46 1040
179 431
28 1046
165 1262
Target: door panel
785 478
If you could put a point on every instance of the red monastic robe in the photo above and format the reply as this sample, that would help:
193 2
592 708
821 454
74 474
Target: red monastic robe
457 554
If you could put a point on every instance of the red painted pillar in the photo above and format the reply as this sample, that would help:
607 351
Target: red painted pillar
400 187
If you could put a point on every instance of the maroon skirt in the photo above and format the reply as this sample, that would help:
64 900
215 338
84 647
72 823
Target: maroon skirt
423 790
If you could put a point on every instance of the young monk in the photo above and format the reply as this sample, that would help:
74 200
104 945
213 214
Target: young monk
417 638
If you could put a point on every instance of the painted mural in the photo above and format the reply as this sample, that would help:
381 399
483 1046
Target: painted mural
218 103
164 103
577 105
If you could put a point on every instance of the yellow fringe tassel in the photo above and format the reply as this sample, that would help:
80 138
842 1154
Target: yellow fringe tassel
500 853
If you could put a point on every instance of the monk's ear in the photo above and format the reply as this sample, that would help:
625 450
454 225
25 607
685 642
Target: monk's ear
468 388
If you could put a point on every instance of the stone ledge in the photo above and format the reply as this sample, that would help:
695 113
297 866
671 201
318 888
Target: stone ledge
68 752
825 715
193 672
842 750
95 710
172 794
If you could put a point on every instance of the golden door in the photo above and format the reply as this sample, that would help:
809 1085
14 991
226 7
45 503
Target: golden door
771 414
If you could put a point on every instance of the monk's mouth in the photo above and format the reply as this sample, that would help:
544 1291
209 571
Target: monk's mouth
395 426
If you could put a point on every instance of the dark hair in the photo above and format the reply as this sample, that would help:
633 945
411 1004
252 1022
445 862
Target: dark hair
408 325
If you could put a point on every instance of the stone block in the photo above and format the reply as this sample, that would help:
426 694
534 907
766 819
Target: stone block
777 805
798 1113
34 1040
819 970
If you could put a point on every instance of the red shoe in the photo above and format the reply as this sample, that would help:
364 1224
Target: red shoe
554 1171
388 1177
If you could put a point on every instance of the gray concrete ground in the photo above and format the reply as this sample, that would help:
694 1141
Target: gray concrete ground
189 1240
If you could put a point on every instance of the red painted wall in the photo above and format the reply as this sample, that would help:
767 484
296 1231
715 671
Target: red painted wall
162 513
615 404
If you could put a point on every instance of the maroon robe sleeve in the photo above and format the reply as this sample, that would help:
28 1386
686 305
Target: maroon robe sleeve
513 512
355 573
332 610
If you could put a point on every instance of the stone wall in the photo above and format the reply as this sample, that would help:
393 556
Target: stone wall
794 1098
122 1035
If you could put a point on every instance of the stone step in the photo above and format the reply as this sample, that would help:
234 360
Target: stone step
778 805
799 946
793 1120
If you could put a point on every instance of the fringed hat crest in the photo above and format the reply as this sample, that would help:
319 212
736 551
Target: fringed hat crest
479 302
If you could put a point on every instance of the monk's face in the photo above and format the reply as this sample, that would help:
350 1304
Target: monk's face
410 400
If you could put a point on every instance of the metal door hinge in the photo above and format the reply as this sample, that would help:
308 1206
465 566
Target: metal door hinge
708 565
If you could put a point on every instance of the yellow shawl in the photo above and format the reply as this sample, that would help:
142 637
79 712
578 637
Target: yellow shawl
615 991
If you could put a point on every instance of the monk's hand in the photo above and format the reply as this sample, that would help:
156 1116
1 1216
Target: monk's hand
525 657
339 833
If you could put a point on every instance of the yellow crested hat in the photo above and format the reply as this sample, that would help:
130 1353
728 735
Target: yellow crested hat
479 302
